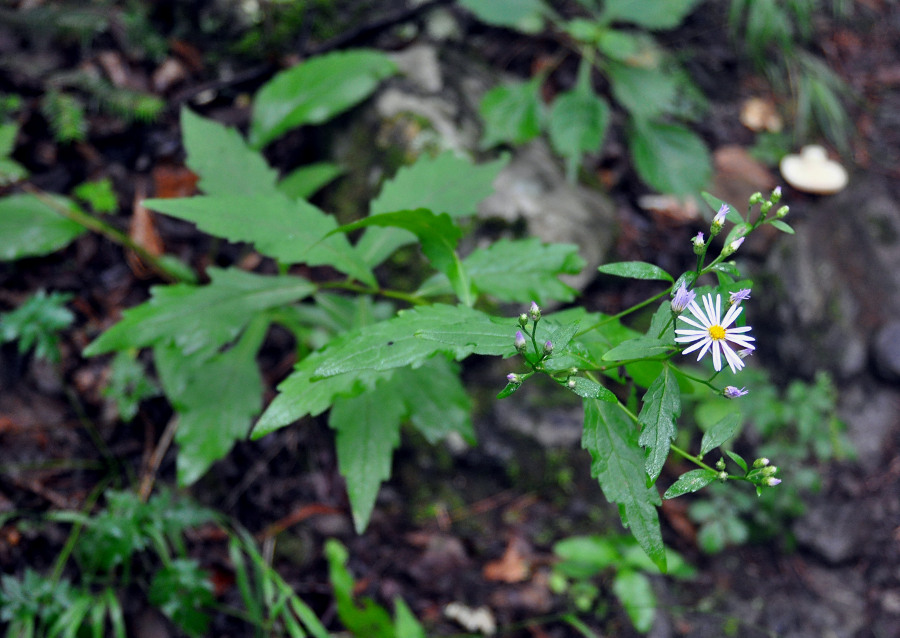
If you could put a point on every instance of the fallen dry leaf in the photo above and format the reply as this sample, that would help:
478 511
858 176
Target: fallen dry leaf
512 567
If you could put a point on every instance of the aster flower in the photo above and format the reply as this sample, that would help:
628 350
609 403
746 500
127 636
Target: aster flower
732 392
682 298
719 220
737 297
712 332
698 240
732 247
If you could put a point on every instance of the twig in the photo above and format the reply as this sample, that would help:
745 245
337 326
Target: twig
149 476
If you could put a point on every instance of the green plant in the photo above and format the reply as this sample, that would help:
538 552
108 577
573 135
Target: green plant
36 322
582 559
99 195
644 80
10 170
800 427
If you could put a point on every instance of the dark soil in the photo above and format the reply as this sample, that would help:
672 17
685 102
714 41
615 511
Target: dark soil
474 526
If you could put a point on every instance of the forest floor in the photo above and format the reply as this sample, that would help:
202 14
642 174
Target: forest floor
473 526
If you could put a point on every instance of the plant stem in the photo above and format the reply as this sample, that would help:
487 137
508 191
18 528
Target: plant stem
690 457
102 228
624 312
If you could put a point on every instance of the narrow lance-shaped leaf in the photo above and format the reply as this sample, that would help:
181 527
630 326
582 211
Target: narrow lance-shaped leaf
721 432
617 462
691 481
635 270
199 317
662 405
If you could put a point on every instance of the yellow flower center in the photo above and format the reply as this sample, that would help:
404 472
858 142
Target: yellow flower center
717 332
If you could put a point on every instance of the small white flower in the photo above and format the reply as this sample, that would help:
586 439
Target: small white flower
712 333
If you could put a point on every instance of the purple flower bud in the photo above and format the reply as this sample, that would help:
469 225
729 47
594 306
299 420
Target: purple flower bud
737 297
548 348
772 481
719 219
683 298
520 341
512 377
535 311
731 392
761 462
733 246
776 195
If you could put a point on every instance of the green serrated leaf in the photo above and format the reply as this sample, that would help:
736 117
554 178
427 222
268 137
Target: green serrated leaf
416 334
721 432
316 90
669 158
438 236
224 162
646 93
617 462
690 482
524 15
518 270
436 400
511 113
649 14
737 459
634 591
635 270
662 406
368 431
212 415
588 389
36 324
195 318
639 348
715 203
30 228
305 181
578 122
780 225
290 231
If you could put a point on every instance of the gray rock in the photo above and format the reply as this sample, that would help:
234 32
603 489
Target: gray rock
886 351
832 531
870 414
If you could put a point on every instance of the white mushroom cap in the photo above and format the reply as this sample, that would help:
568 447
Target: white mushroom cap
812 172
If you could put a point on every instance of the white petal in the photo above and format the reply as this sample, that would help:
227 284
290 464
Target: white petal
733 360
731 315
717 356
710 311
691 321
701 317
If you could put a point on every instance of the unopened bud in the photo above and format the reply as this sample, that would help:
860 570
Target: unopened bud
772 481
698 243
548 348
761 462
776 195
513 378
534 312
571 383
756 198
523 320
719 220
765 207
722 476
769 470
732 247
520 341
720 464
781 212
682 299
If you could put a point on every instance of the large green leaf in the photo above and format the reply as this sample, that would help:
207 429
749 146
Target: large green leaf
415 335
662 405
512 113
617 462
638 348
368 430
216 398
578 122
316 90
722 431
519 270
634 591
649 14
645 93
222 159
447 183
691 481
307 180
368 425
29 227
438 236
524 15
196 318
291 231
669 158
